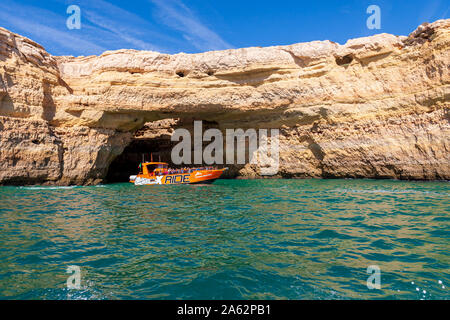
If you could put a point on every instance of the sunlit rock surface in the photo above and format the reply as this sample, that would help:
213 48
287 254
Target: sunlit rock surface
376 107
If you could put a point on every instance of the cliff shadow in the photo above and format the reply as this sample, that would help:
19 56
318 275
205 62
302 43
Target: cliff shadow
252 78
6 105
49 107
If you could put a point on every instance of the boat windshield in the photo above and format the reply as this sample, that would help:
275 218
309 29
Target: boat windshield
152 167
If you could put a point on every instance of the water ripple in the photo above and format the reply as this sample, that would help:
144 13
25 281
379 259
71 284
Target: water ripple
251 239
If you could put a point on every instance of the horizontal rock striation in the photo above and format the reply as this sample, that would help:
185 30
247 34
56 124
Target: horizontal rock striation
376 107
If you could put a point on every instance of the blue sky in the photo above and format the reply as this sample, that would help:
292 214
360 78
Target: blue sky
173 26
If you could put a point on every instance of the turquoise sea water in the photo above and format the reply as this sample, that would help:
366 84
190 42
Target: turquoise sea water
235 239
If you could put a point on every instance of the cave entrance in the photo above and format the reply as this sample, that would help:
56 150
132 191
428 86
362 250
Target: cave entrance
152 138
127 163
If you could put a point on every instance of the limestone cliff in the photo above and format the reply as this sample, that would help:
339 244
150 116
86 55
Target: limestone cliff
376 107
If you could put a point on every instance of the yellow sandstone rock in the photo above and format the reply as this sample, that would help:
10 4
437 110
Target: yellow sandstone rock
376 107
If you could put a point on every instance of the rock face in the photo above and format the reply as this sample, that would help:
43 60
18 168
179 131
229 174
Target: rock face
33 149
376 107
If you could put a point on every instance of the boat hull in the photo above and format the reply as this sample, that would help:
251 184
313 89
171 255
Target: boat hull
196 177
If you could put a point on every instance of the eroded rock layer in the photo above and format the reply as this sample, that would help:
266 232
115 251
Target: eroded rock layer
376 107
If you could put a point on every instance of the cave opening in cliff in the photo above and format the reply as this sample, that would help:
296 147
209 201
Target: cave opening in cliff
345 60
152 140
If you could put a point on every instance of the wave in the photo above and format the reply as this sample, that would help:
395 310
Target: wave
47 188
392 191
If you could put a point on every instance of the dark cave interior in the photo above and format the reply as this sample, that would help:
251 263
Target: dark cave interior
139 150
154 138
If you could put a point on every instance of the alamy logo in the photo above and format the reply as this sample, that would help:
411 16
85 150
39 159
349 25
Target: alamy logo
374 21
74 280
74 20
374 280
262 150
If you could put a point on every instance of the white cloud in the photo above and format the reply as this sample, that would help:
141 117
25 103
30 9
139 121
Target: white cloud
124 25
179 17
105 26
19 18
429 11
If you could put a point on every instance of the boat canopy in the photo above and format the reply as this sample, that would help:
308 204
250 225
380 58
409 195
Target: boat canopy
156 164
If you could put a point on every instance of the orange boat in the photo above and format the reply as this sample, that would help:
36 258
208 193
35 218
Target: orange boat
159 173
